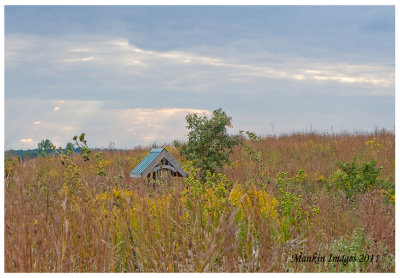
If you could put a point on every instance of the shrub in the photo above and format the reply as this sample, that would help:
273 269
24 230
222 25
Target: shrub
364 252
353 178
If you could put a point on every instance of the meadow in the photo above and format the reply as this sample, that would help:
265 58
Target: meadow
302 202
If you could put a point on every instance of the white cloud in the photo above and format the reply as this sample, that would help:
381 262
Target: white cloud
125 127
81 50
118 56
83 59
59 127
343 73
129 127
113 69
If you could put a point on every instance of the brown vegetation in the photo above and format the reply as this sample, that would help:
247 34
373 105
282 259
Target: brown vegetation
65 217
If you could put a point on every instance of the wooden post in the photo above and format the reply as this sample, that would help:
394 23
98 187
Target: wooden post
169 175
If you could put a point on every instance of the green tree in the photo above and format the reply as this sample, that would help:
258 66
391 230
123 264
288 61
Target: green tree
209 144
69 148
45 147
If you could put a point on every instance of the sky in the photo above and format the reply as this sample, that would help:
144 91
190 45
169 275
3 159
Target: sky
130 74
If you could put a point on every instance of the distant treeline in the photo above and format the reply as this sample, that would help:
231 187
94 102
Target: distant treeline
24 154
27 154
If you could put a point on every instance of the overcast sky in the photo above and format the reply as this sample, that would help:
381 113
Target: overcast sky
129 75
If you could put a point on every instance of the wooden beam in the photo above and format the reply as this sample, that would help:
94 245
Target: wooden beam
164 167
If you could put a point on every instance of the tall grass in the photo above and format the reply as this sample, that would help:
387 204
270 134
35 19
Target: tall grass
65 217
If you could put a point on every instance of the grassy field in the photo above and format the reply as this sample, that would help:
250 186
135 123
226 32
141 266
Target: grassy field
282 205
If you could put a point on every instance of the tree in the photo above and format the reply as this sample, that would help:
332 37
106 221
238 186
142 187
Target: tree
69 148
45 147
209 144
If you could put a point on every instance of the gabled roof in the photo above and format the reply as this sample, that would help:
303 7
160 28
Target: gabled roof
151 161
146 161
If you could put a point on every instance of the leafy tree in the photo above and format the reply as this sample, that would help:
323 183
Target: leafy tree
69 148
209 145
45 147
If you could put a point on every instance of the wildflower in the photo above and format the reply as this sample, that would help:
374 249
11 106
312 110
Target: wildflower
263 202
116 192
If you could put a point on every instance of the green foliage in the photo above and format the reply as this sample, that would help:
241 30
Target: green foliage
72 182
69 148
353 178
24 154
216 182
210 195
10 163
192 181
97 160
209 145
45 147
83 145
256 159
177 144
290 201
388 189
359 247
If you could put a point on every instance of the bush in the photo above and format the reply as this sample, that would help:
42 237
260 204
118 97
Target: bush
353 178
365 253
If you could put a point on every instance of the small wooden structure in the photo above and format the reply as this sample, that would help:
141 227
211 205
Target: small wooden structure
157 164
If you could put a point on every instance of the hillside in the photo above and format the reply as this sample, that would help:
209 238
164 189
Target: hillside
282 205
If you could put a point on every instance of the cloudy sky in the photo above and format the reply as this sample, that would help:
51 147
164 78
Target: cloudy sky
129 75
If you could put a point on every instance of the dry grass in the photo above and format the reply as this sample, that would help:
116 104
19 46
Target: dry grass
67 218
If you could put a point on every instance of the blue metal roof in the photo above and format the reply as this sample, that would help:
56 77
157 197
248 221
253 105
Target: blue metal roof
146 161
156 150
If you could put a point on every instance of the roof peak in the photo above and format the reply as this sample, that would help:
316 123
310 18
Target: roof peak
156 150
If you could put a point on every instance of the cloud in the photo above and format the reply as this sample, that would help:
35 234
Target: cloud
144 126
375 75
59 127
130 127
115 91
126 78
125 127
109 58
82 59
